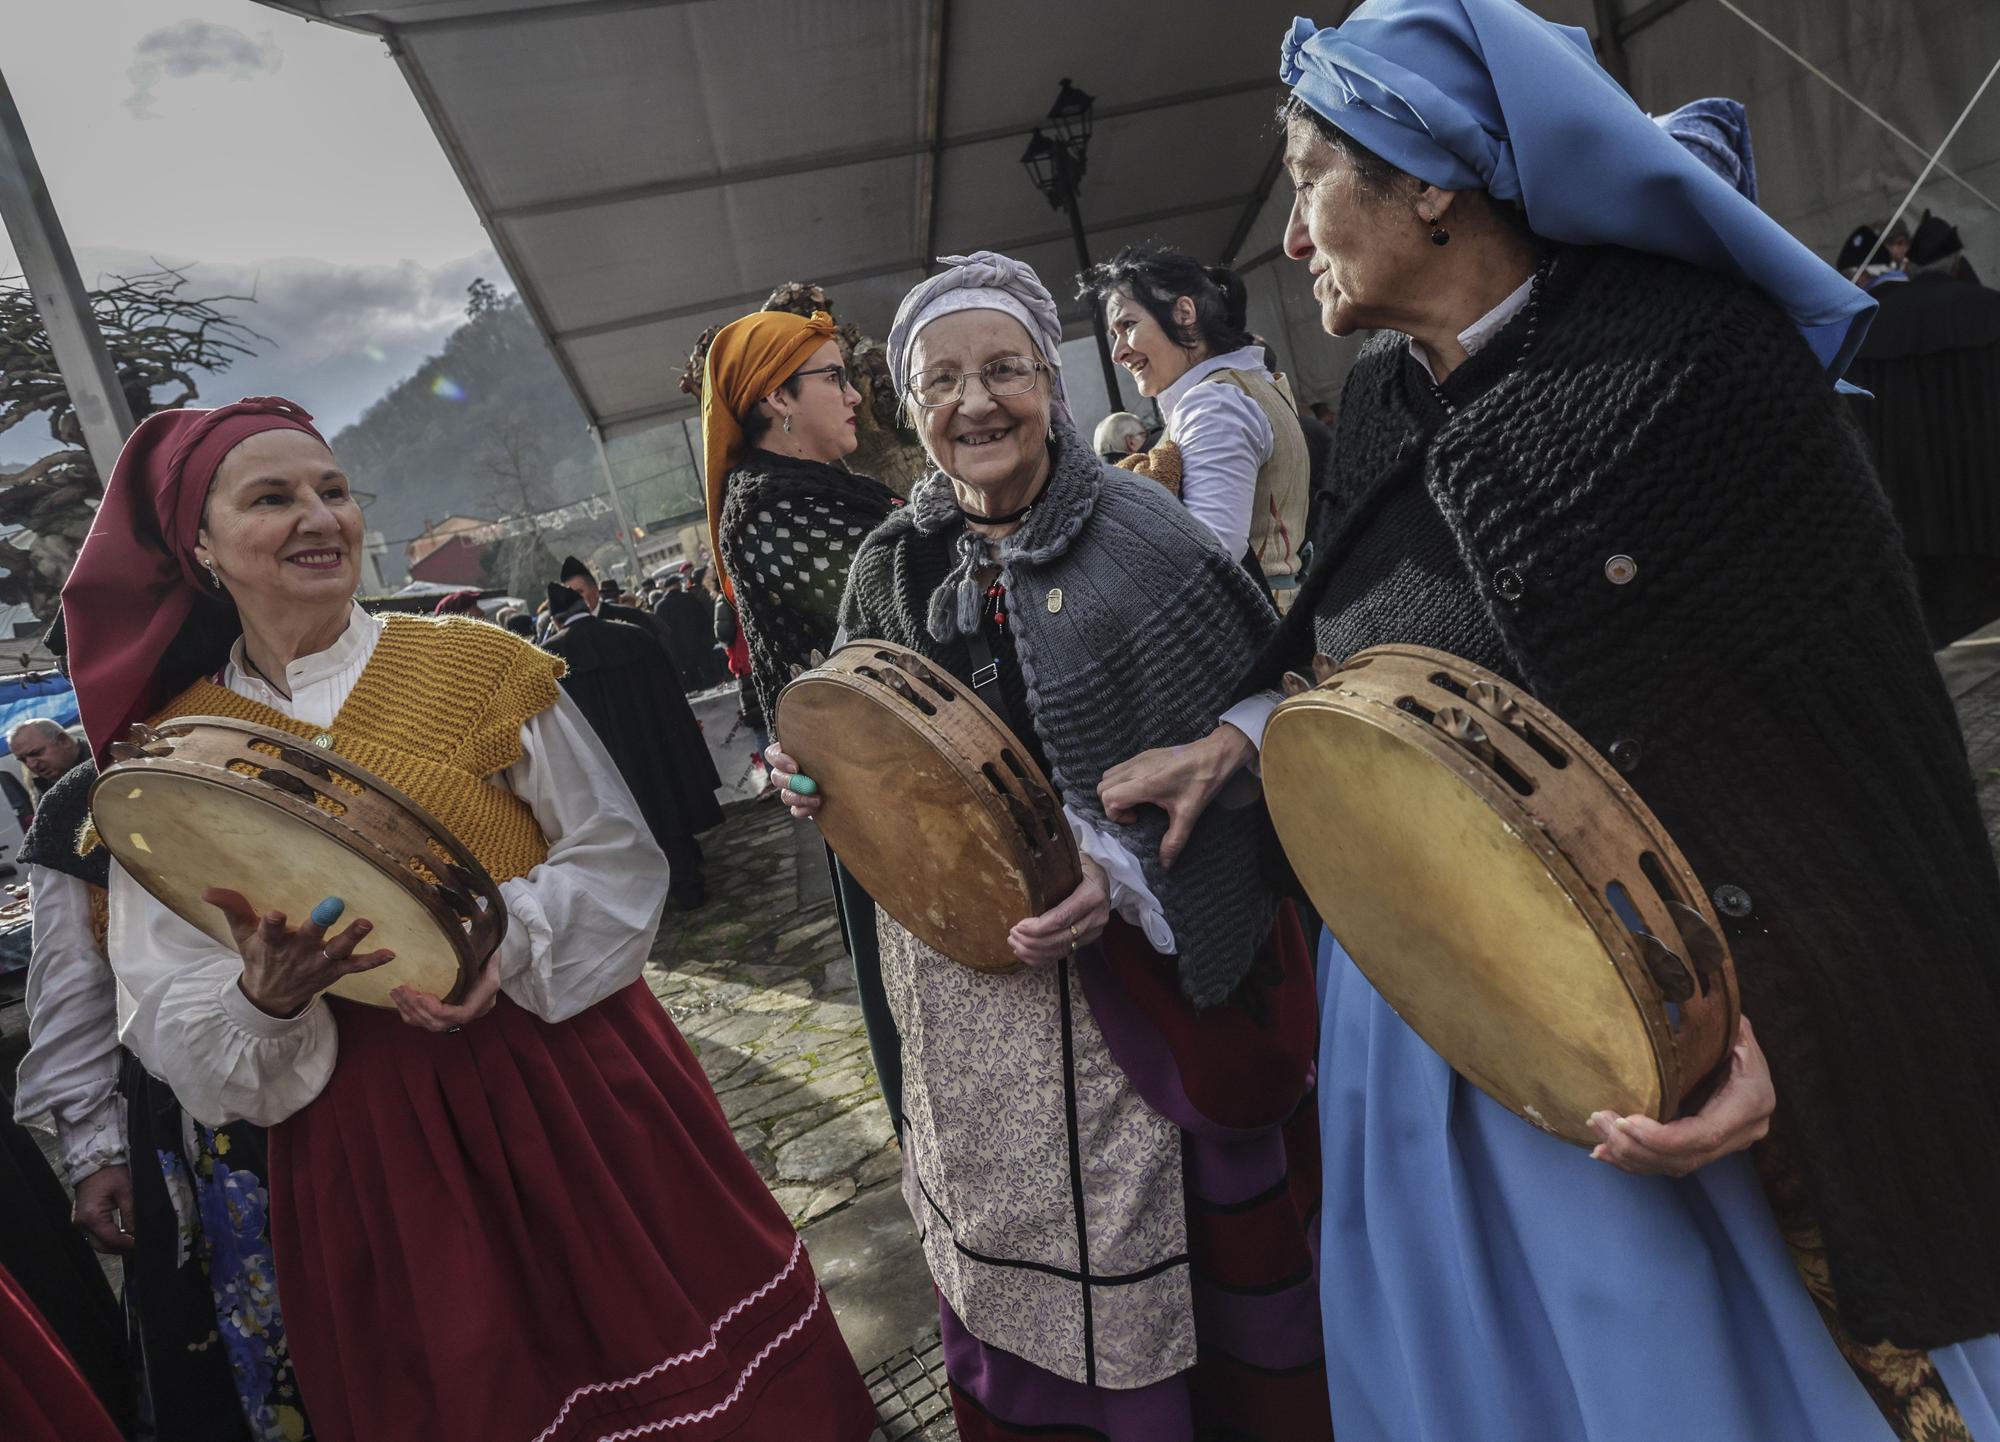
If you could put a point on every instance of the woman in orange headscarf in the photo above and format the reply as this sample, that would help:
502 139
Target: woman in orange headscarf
785 518
777 419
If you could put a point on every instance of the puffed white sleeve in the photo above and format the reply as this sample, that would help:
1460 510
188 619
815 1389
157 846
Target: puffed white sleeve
1224 438
581 924
186 1018
71 1069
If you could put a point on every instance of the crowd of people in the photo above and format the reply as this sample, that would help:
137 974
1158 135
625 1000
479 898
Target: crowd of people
1184 1173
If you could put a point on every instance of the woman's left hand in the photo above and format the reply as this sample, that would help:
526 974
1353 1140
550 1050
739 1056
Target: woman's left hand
1735 1117
430 1013
1077 921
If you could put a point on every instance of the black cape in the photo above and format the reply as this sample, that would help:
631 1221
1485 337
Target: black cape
623 681
1932 362
690 628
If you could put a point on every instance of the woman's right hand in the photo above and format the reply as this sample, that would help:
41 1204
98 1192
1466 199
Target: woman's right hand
1180 780
283 968
783 771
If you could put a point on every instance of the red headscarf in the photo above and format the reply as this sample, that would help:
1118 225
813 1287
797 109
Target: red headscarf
136 579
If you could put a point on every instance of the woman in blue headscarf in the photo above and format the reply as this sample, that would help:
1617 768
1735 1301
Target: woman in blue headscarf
1597 449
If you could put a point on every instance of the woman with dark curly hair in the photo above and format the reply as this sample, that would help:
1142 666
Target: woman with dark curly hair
1233 450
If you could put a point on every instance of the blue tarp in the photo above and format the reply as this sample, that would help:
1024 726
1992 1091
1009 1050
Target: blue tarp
24 698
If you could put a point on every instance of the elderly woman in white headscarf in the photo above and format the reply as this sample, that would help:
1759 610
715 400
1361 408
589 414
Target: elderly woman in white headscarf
1097 1149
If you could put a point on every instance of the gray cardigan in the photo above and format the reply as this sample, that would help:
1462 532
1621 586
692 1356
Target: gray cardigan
1131 625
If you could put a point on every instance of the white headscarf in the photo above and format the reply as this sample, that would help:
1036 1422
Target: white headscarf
981 281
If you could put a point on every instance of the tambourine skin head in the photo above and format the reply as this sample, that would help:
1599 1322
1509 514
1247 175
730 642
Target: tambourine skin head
1476 886
916 801
179 820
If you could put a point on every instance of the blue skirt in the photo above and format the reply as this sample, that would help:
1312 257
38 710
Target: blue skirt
1481 1279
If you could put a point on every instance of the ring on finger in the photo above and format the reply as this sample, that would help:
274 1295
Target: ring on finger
1072 937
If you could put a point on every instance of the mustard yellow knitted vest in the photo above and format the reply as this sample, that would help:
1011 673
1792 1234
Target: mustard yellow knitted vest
438 709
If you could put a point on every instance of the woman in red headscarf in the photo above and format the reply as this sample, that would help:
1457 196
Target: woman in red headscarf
521 1215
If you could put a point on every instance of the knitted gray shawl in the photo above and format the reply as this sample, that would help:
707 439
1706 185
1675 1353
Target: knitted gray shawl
1130 624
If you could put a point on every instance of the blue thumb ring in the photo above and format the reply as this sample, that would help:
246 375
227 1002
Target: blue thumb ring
802 786
328 912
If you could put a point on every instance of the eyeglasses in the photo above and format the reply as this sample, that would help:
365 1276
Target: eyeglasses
839 374
1007 375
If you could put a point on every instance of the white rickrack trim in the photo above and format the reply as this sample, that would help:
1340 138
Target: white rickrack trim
735 1393
714 1334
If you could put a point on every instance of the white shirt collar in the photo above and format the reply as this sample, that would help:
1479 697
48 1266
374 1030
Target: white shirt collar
360 635
1485 328
1250 358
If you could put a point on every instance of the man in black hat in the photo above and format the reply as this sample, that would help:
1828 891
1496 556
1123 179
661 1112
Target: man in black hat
1932 362
625 685
603 601
690 622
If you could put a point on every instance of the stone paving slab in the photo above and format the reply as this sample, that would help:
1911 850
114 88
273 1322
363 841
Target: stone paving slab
761 986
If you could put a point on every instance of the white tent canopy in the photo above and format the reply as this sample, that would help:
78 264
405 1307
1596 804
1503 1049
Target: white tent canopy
647 168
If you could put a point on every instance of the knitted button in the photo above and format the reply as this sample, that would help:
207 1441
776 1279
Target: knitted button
1732 901
1619 570
1625 753
1508 584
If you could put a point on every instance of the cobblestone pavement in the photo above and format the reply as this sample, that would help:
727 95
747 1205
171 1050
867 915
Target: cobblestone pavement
761 985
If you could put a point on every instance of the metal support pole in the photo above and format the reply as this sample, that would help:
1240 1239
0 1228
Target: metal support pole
1066 178
81 355
617 505
1611 44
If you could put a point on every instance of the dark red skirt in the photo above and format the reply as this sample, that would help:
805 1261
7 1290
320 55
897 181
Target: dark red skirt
43 1398
543 1232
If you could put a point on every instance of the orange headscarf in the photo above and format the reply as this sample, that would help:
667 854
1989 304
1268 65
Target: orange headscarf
747 360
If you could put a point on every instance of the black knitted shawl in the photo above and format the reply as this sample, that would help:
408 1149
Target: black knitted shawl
1766 677
789 529
1130 625
59 821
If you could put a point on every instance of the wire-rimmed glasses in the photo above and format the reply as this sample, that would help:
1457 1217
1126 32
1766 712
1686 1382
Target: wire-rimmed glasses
1007 375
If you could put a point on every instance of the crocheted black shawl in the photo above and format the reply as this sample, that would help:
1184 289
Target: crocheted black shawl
789 529
59 821
1767 680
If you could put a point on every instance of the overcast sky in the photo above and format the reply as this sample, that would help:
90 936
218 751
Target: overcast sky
268 153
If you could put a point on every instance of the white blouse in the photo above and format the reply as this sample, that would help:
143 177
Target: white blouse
1225 439
579 925
71 1070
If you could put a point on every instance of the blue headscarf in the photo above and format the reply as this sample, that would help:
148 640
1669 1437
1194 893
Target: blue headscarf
1485 95
1717 133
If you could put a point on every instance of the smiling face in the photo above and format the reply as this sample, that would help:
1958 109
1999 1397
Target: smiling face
281 527
1357 242
1142 346
989 443
824 426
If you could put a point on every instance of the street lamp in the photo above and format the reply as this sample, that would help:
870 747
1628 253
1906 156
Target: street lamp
1056 165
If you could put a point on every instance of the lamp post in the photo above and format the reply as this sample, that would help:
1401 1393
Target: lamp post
1056 164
